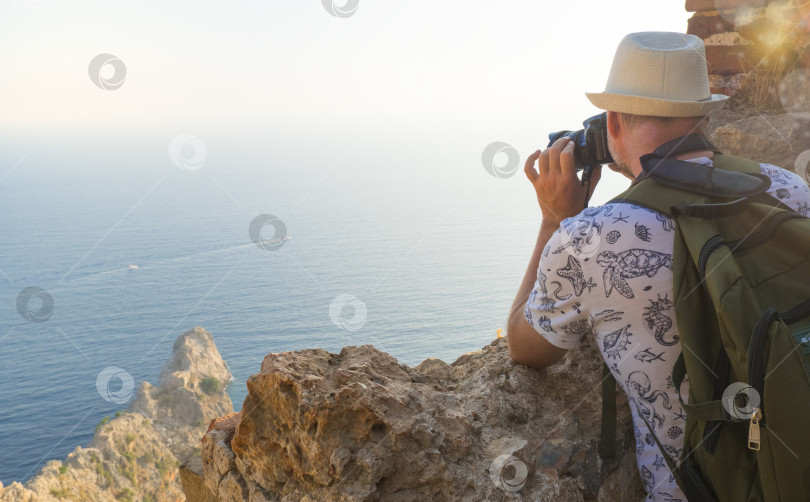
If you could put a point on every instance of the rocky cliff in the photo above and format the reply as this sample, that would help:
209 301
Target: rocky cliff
135 456
359 426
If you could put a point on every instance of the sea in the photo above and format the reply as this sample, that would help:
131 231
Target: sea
400 238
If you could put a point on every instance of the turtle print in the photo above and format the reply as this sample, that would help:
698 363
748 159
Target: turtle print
628 265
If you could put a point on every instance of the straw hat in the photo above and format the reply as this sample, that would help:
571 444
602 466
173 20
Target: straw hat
661 74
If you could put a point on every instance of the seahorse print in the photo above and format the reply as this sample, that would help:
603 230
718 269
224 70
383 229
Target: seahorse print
640 391
573 272
628 265
546 304
613 344
557 291
659 322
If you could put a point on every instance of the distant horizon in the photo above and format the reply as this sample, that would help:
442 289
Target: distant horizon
156 134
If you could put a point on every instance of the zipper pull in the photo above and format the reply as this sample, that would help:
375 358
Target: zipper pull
753 430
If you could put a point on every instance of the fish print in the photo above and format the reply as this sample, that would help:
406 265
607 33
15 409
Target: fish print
647 356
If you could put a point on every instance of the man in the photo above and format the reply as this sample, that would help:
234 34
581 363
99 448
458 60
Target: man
607 271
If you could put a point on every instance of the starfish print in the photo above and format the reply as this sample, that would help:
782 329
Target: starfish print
621 218
681 415
573 272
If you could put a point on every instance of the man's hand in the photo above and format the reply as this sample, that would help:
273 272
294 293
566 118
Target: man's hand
559 190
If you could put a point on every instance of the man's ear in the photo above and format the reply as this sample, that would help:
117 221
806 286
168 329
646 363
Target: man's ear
615 126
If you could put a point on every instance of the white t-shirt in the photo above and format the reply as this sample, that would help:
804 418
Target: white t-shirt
608 272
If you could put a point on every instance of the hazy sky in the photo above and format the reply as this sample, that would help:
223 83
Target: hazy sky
442 63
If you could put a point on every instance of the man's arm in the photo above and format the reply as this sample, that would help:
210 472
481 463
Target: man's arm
560 195
526 346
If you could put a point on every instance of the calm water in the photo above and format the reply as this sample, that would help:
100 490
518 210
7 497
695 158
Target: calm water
431 244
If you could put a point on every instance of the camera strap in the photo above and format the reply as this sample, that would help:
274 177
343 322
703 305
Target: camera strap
662 167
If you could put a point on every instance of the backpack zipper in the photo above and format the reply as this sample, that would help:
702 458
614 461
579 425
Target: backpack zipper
710 247
756 362
756 372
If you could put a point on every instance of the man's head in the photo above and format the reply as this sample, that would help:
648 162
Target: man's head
657 90
630 136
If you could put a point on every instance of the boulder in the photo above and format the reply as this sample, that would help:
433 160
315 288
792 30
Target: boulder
135 456
359 426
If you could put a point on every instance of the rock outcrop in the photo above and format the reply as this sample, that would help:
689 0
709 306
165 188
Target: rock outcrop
135 456
752 44
359 426
775 139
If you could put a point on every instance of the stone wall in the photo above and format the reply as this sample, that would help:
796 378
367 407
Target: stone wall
756 49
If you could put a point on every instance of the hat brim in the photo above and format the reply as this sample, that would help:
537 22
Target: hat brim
638 105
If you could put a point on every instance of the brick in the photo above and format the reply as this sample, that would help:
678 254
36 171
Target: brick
729 59
706 26
701 5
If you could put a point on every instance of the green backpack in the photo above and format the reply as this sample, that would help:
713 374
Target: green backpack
741 267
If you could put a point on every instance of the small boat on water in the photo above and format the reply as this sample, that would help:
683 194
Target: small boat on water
132 267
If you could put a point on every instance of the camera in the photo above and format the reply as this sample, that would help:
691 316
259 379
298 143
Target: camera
590 144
